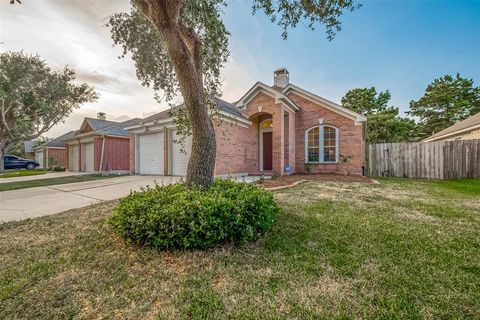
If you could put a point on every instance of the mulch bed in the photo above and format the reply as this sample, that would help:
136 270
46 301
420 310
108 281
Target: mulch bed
294 178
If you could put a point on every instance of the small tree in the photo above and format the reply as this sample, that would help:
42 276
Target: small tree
33 98
180 47
446 101
343 161
384 123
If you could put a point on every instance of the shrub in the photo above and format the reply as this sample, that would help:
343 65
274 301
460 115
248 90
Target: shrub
174 216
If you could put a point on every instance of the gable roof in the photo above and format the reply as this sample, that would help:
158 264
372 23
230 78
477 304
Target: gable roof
104 127
281 95
274 92
57 142
470 123
335 107
97 124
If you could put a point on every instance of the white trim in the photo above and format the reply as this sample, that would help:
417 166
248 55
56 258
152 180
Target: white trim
429 139
148 124
246 123
358 118
321 144
261 130
142 127
261 87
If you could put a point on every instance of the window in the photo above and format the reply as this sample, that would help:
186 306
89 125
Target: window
321 144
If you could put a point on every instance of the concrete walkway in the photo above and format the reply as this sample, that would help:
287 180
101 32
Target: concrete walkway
41 201
48 175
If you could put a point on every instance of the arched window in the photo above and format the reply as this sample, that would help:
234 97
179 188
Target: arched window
321 144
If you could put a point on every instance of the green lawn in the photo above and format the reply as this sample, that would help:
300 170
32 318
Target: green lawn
51 181
403 249
22 173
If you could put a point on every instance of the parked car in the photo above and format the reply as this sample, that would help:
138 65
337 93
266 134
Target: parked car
14 162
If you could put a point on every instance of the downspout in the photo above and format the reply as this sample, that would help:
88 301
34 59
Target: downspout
101 155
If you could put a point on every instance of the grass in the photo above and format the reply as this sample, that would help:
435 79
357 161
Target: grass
51 181
21 173
399 250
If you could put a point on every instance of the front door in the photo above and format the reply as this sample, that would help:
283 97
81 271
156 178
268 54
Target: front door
267 151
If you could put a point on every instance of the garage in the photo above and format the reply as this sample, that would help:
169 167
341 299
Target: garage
39 157
73 158
87 157
150 153
179 159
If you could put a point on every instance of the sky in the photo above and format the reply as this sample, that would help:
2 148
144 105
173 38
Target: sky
400 46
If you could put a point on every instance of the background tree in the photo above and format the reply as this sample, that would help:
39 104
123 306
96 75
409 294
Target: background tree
384 124
33 98
179 47
447 100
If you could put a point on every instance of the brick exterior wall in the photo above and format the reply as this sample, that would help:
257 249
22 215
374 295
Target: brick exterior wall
59 156
350 136
116 155
237 148
262 106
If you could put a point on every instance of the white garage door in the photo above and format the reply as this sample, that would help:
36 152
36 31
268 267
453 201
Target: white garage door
87 154
179 159
73 158
150 153
39 157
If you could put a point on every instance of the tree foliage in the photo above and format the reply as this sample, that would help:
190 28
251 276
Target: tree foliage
447 100
33 98
179 47
384 124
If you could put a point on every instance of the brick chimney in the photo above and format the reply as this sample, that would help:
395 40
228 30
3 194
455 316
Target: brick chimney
101 116
280 77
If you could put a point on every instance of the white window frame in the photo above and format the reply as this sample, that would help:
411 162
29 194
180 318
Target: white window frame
321 143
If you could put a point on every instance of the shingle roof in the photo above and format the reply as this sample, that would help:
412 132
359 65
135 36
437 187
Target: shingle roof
57 142
462 125
97 124
222 105
118 129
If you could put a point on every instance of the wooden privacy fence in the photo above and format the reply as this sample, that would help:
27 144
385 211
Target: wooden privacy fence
428 160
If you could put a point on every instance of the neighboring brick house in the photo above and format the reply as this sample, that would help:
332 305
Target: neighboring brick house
53 152
270 128
99 146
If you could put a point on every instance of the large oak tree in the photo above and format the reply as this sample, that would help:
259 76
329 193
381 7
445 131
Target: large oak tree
34 98
179 47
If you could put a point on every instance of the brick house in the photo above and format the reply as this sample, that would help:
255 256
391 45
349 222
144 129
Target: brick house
53 152
270 128
99 146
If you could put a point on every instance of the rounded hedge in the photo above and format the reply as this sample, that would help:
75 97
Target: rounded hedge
176 217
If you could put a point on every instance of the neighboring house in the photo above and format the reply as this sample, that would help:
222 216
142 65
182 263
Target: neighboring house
269 128
467 129
53 152
100 146
29 153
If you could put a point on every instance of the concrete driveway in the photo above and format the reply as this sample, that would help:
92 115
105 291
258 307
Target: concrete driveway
41 201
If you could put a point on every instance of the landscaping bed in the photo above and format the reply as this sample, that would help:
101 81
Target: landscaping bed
404 249
293 179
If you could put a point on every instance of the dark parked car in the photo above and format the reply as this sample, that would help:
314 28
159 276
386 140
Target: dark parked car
13 162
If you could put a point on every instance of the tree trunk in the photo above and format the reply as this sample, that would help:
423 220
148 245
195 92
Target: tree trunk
184 48
2 153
